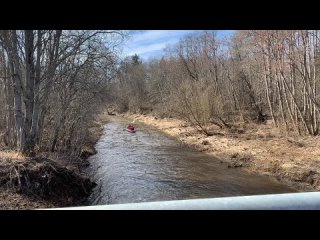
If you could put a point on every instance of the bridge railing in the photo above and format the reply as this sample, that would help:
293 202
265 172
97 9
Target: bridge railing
286 201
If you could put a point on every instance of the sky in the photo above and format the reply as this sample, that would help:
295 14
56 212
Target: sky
150 43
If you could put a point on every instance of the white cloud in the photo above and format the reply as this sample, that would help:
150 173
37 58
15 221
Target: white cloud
148 48
151 35
150 43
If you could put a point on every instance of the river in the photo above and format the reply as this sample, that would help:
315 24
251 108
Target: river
150 166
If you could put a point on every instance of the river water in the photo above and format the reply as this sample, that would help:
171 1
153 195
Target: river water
150 166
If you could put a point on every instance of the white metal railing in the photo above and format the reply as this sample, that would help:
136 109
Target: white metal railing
286 201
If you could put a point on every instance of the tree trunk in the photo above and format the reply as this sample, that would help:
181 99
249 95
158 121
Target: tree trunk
29 92
36 107
17 85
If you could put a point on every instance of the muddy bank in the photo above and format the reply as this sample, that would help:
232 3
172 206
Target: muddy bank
49 179
256 148
39 182
95 131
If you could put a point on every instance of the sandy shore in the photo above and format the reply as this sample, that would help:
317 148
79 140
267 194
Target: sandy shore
262 149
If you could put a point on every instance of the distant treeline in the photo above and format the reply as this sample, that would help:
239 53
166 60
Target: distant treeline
253 75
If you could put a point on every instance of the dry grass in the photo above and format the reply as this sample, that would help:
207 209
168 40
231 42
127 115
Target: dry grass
258 148
96 130
49 180
69 169
10 157
10 200
42 179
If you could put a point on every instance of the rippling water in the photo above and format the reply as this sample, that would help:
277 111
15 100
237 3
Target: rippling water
149 166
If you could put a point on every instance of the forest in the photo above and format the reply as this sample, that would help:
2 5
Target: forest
256 75
52 83
251 98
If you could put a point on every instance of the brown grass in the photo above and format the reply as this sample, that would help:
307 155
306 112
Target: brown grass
10 155
15 193
10 200
49 180
42 179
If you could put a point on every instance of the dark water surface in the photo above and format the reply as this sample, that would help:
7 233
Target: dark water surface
149 166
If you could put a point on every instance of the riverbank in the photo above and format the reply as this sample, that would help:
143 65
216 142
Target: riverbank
261 149
48 180
28 183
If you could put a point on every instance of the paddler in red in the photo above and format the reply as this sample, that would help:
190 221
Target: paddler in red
130 127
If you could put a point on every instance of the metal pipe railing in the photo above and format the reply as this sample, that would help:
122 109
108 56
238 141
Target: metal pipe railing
286 201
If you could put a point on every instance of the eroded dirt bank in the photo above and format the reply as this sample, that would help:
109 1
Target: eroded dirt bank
28 183
257 148
48 180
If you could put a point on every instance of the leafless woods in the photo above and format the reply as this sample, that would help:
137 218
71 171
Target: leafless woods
51 85
254 75
53 82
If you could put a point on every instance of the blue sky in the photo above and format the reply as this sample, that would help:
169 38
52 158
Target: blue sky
150 43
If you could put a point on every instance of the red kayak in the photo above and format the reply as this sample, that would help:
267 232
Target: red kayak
132 131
